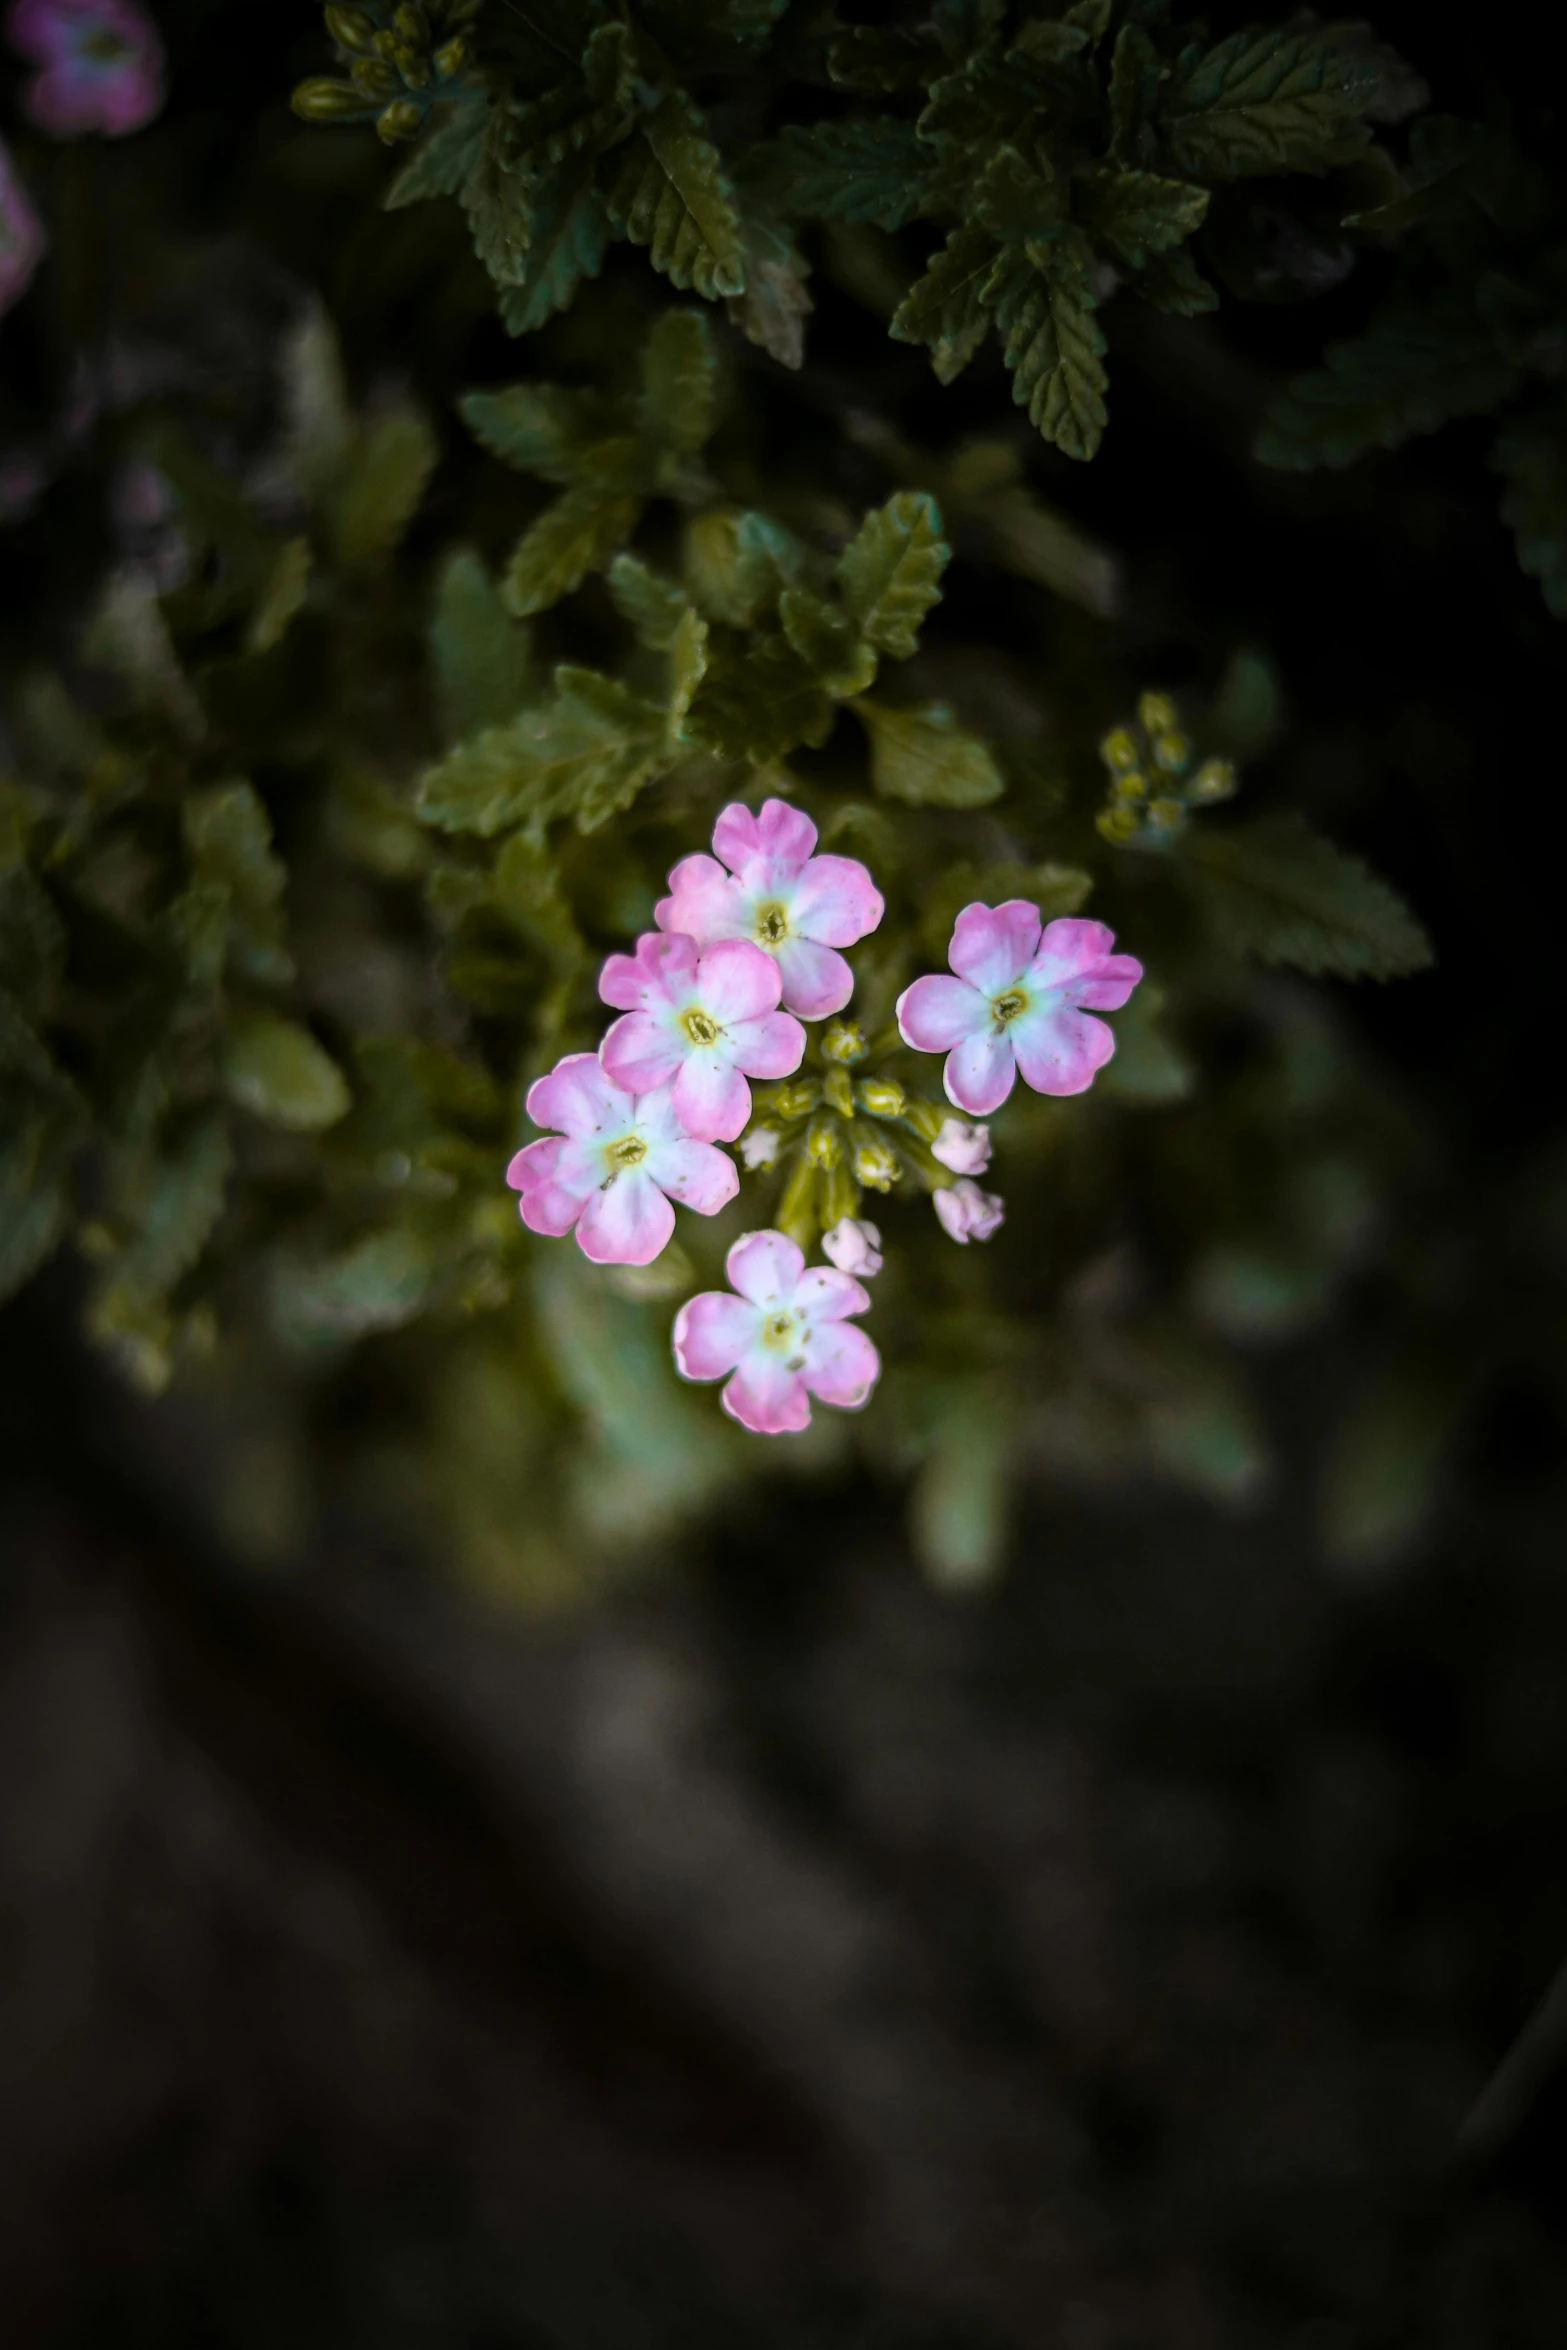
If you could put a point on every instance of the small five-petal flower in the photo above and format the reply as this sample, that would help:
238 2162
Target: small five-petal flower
782 1339
1019 999
612 1168
101 61
778 894
701 1023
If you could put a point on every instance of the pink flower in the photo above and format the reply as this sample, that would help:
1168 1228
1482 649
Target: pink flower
967 1213
1018 1002
102 65
22 239
783 1338
853 1246
963 1148
801 908
613 1168
702 1023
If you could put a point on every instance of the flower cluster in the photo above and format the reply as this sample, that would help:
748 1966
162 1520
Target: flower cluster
748 947
1153 781
400 59
100 65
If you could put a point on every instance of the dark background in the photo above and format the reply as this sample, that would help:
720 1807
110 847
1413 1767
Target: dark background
782 1954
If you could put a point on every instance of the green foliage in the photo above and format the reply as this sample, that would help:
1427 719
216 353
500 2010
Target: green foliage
1411 372
1276 889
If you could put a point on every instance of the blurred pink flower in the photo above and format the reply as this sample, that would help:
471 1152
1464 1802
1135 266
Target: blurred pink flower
963 1148
1018 1001
614 1165
800 907
967 1213
781 1340
102 65
701 1023
22 238
853 1246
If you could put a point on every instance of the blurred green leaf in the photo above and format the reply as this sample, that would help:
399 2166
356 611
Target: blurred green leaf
921 755
276 1070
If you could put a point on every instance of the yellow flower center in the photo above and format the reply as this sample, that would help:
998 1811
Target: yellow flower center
622 1156
772 925
1005 1008
700 1026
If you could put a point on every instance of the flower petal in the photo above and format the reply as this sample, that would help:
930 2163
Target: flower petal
640 1053
695 1174
579 1096
1060 1050
703 903
1072 945
735 980
963 1148
841 1366
536 1163
994 945
829 1297
777 832
773 1046
1107 988
661 970
980 1072
627 1222
766 1398
712 1333
816 979
937 1013
764 1267
835 902
712 1099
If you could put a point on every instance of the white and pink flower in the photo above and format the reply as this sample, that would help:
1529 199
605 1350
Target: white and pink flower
701 1023
613 1166
1019 999
764 884
784 1338
101 65
854 1246
967 1213
962 1147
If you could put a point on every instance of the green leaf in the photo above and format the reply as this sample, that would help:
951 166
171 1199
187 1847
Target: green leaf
1414 369
32 940
1054 348
1277 890
276 1070
875 170
1266 102
1385 1469
630 738
1054 889
319 426
678 406
1135 214
958 1512
775 305
447 152
921 755
1173 283
376 499
178 1211
672 195
1135 72
689 655
863 57
564 437
34 1203
737 565
584 115
497 198
1532 454
381 1283
1016 200
889 574
1149 1066
827 642
228 837
759 701
654 606
576 535
482 663
946 308
582 754
570 235
282 597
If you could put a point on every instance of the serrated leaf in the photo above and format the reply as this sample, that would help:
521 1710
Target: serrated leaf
445 154
1172 282
1135 214
1413 370
182 1198
282 598
673 195
875 170
380 1283
564 437
737 565
889 574
828 642
864 57
1265 102
759 701
576 535
688 663
376 499
228 837
1277 890
946 308
498 199
276 1070
775 305
678 406
653 605
319 428
924 757
1054 348
570 235
480 655
1135 71
582 754
1017 200
584 115
1532 454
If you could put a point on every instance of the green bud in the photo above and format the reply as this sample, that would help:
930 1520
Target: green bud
451 58
840 1197
1171 752
410 23
1156 714
795 1098
401 120
1133 786
324 101
838 1093
1118 750
1117 824
824 1142
351 28
927 1118
1215 779
414 66
874 1164
375 77
844 1040
797 1213
883 1097
1167 814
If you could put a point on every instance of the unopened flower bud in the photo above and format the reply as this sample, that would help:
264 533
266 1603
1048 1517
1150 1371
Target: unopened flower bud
400 120
411 24
451 57
760 1147
324 101
874 1164
963 1147
1118 749
350 28
1133 785
926 1118
1156 714
967 1213
883 1097
792 1099
1117 824
824 1142
854 1247
844 1040
838 1093
840 1195
1214 780
1171 752
1167 814
375 77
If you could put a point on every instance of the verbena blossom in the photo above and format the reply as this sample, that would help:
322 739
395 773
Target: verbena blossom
701 1022
1019 999
962 1147
967 1213
782 1339
102 65
854 1246
775 892
22 239
612 1168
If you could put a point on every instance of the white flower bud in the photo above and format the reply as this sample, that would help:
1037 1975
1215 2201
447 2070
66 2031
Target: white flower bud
967 1213
853 1246
962 1147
